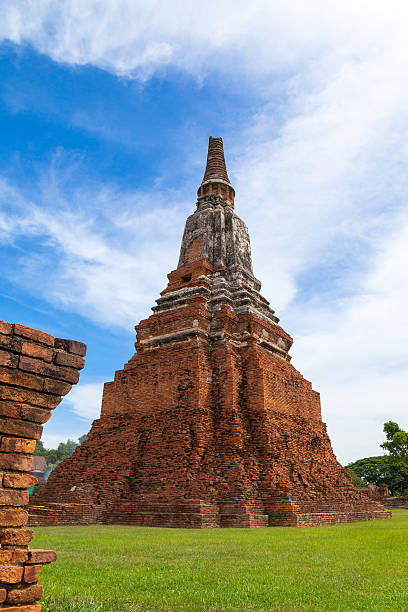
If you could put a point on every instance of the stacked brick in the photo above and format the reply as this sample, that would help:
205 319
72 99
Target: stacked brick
36 370
215 167
208 424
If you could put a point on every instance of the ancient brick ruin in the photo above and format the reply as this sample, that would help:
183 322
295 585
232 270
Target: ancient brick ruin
381 493
208 424
36 370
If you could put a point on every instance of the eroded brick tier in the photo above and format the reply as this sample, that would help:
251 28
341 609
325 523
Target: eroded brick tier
208 424
36 370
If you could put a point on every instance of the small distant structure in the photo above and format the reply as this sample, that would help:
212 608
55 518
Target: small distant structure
397 503
380 492
39 469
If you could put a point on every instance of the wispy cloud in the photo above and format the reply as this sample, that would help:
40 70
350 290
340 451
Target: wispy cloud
102 253
85 400
355 347
136 39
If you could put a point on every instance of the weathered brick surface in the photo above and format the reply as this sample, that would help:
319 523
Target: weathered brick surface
67 359
20 428
6 328
27 396
13 498
31 573
19 556
71 346
8 359
12 517
208 424
16 537
19 481
35 371
37 556
15 462
36 350
33 334
17 445
28 594
12 557
11 574
36 415
40 367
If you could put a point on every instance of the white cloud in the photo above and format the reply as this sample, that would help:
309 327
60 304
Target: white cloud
331 180
52 440
101 254
85 400
356 349
136 38
320 175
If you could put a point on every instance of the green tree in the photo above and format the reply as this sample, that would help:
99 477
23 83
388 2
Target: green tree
397 441
391 469
372 470
40 449
51 457
65 449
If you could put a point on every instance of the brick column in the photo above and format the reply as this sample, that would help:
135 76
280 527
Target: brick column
36 370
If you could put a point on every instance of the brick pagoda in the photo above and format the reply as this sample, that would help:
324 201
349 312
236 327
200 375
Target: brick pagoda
208 424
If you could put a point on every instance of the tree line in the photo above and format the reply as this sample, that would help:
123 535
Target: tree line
390 469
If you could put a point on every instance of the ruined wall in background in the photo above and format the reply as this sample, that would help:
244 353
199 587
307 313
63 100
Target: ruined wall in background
36 370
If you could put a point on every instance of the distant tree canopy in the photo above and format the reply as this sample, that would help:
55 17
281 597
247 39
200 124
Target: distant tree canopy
372 470
54 456
391 469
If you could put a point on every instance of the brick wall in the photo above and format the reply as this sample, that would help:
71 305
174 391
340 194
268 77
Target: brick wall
36 370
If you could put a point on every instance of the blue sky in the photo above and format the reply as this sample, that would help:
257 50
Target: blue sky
105 113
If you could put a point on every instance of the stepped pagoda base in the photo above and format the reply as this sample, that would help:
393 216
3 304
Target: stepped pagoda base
199 514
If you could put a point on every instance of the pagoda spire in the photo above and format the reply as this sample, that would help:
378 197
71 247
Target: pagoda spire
216 168
216 180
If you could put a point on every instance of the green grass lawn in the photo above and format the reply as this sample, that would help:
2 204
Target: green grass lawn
357 566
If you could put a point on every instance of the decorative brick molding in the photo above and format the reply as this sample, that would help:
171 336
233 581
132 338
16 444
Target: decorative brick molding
36 370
